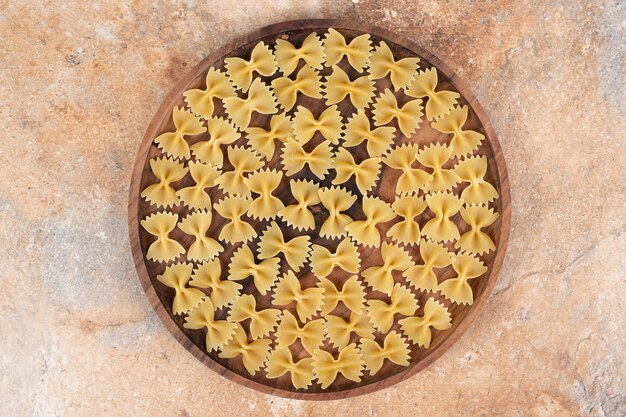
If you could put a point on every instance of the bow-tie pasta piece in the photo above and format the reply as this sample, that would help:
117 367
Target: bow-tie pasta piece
219 332
311 52
264 274
463 141
262 322
264 183
176 277
338 330
440 228
296 250
382 314
244 160
352 295
417 329
439 102
307 82
164 248
329 124
365 173
349 363
434 256
408 116
380 277
435 156
359 129
336 200
457 289
407 231
402 71
237 229
264 141
394 349
358 51
207 275
203 247
311 334
319 160
195 197
345 257
338 86
217 86
167 171
253 354
475 240
472 170
281 361
298 215
241 71
412 179
308 301
260 100
221 132
365 232
174 143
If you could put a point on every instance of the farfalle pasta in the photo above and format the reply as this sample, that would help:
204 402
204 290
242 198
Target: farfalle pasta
241 71
339 86
380 277
457 289
177 276
349 363
329 124
221 133
307 82
357 51
310 334
408 116
407 230
195 196
217 87
295 158
475 240
260 100
412 179
434 157
264 274
298 215
253 354
365 232
237 229
472 170
164 248
358 129
281 361
295 251
311 52
207 275
418 329
339 330
438 102
167 171
308 301
336 200
203 248
262 322
351 294
346 257
218 332
244 160
394 348
186 124
264 182
401 71
422 276
440 228
365 173
264 141
463 141
382 314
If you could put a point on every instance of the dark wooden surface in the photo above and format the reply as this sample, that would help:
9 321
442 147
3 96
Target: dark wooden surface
160 296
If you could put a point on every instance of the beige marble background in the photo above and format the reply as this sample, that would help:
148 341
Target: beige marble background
79 83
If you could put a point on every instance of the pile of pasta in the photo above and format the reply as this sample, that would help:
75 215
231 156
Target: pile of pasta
262 208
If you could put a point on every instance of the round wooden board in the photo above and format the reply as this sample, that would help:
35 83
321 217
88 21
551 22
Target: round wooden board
161 297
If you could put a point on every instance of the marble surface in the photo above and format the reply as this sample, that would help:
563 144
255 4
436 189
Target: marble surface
80 82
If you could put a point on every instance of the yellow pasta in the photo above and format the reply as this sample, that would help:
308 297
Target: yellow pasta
434 256
417 329
475 240
394 349
346 257
311 334
307 82
358 129
338 86
221 132
219 332
352 295
328 124
207 275
472 170
296 250
407 231
195 196
401 72
244 160
261 322
380 277
382 314
365 232
264 182
164 248
298 215
412 179
260 100
408 116
440 228
365 173
237 229
349 363
174 143
336 200
176 277
358 51
241 71
439 102
264 141
319 160
339 330
253 354
280 362
435 156
203 247
264 274
217 86
463 141
167 171
457 289
308 301
311 52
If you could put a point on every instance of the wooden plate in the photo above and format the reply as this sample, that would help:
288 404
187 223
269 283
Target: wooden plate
161 297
